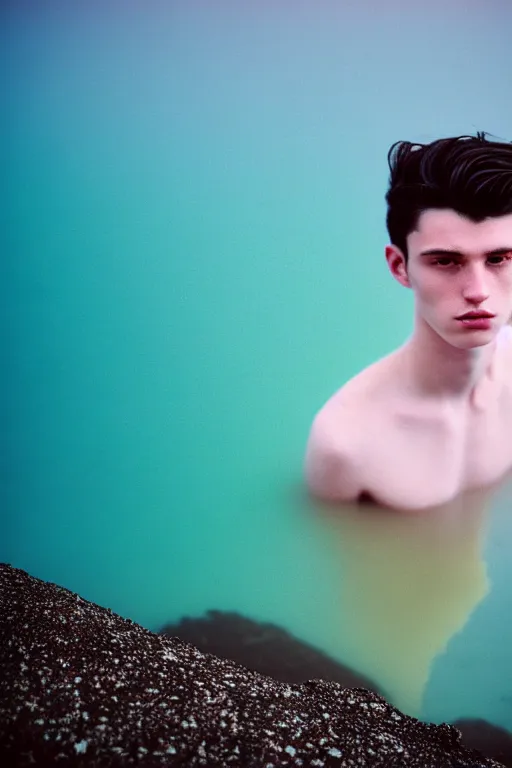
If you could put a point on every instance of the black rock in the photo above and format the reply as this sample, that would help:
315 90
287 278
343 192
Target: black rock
489 739
264 648
81 686
271 650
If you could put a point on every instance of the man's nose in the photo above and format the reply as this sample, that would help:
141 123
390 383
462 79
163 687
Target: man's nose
475 289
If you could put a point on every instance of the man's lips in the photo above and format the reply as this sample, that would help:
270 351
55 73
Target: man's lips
475 315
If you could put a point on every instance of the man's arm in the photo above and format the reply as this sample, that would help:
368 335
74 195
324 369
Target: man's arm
328 467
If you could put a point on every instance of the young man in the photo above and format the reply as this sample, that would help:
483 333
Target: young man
433 418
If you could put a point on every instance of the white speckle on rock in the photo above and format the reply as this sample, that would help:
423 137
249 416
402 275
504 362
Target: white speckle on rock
81 747
201 749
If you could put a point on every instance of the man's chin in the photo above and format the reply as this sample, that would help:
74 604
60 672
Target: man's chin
471 339
475 344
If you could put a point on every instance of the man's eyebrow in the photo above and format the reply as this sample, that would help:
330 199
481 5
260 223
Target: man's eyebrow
453 252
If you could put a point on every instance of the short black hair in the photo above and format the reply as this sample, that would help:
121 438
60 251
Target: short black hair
468 174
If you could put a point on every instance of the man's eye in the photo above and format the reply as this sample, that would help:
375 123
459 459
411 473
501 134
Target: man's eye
496 261
444 261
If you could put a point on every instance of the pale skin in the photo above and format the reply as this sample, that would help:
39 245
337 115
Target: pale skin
433 419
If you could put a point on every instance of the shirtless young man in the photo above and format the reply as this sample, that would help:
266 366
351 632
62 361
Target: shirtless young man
433 419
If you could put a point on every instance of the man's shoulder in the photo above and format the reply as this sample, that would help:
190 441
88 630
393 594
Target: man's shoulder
363 393
342 430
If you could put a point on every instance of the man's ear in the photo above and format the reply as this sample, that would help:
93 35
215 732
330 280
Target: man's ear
397 266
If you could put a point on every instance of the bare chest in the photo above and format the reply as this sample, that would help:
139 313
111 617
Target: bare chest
415 461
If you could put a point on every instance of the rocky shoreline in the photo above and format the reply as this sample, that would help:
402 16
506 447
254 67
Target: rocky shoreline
81 685
271 650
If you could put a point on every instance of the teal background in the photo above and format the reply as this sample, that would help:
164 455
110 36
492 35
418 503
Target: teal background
193 262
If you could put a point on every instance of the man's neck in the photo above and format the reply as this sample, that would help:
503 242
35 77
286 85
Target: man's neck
436 369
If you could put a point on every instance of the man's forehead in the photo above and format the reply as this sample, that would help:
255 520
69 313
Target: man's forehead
448 229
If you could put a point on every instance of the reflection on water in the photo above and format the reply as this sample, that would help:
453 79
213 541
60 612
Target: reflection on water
409 583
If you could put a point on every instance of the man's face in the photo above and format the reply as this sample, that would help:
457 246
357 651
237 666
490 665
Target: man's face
468 268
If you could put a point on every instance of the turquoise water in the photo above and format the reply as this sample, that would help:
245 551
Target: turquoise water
195 225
